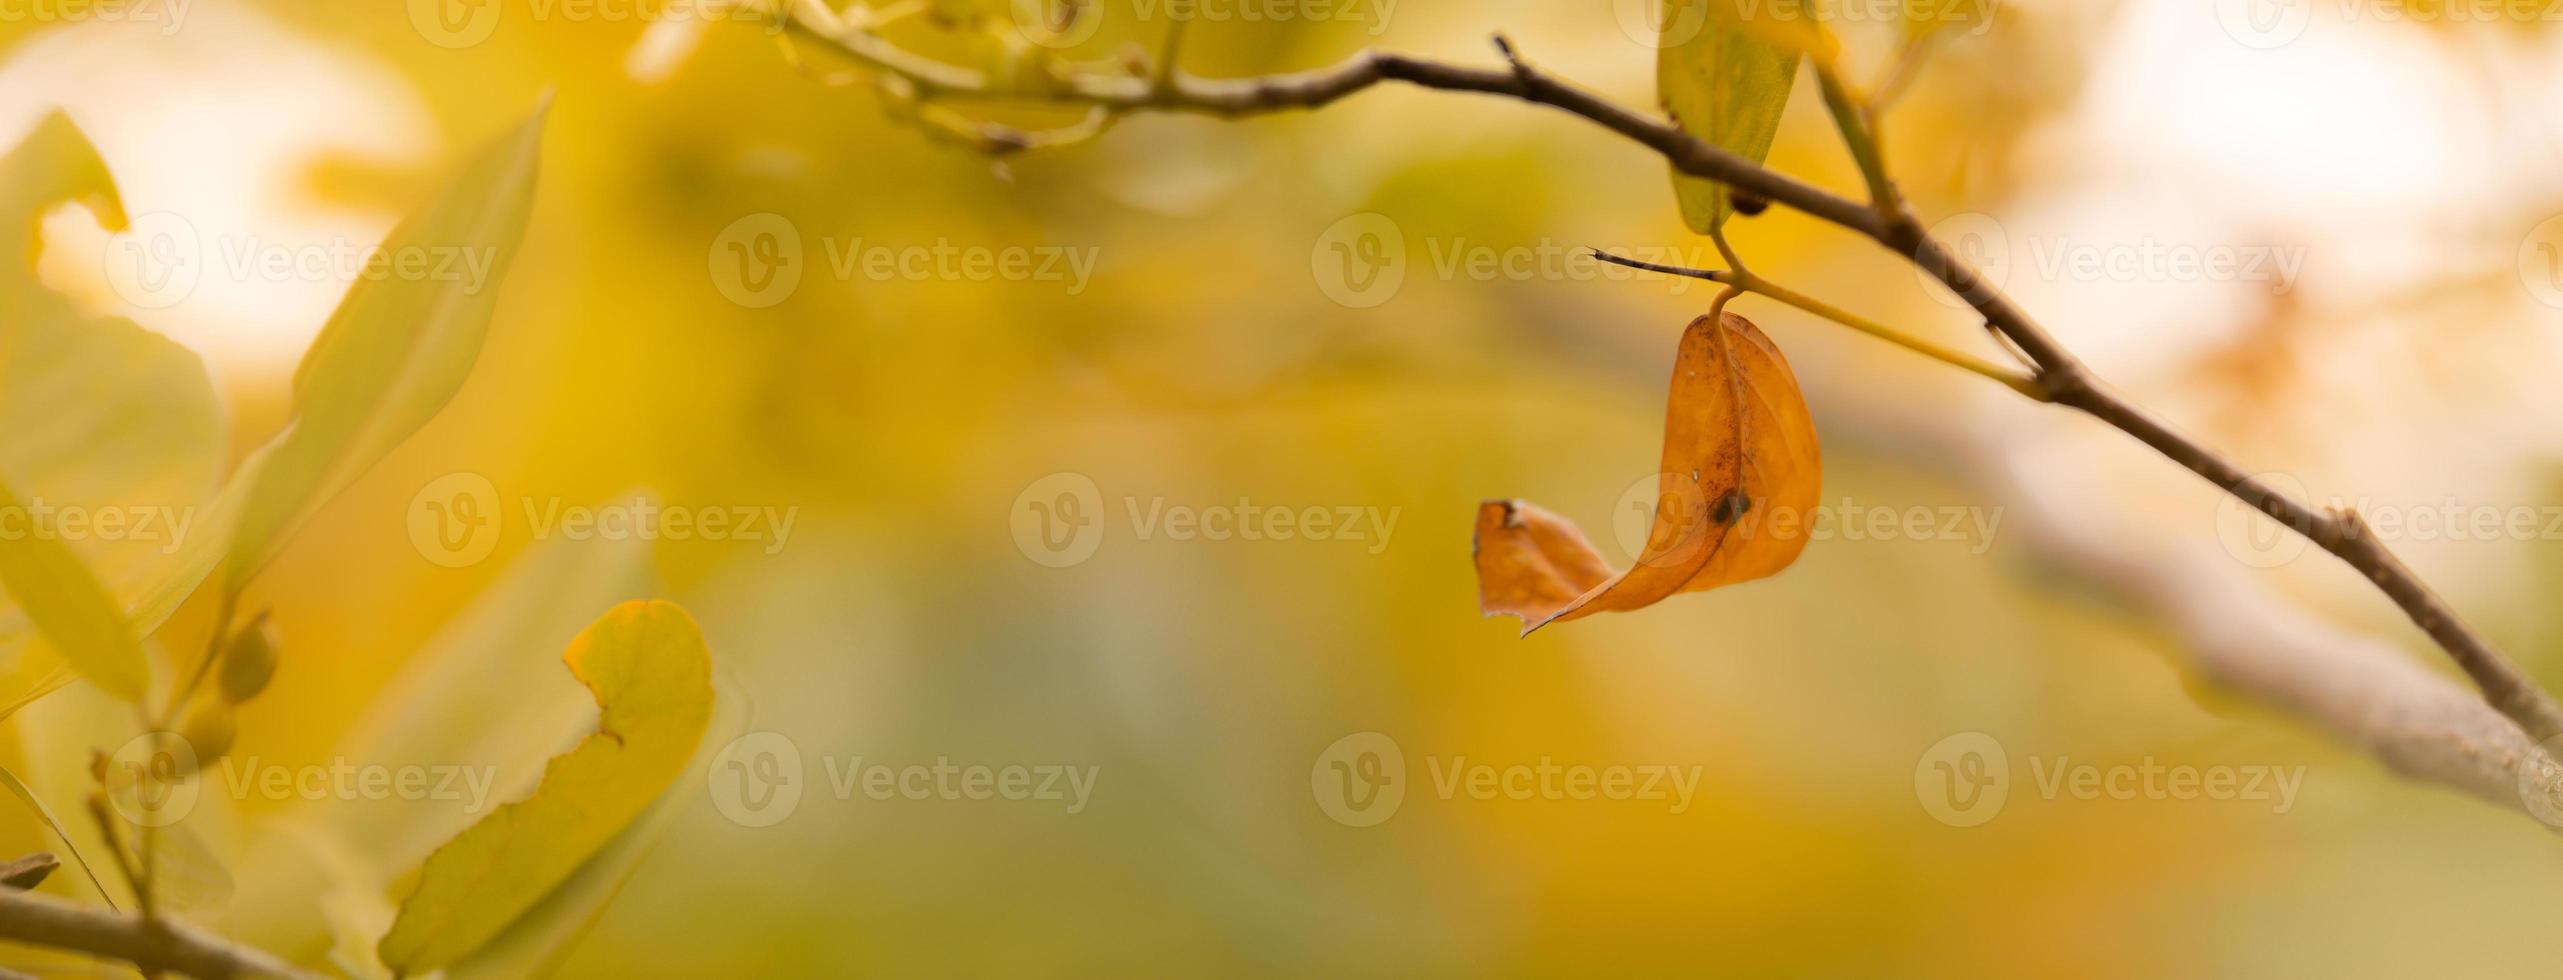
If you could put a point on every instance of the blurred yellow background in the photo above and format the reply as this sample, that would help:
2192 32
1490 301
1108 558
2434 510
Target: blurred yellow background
1196 329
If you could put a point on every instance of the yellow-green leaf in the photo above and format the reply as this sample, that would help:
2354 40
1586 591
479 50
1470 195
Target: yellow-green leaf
487 688
652 677
55 163
68 607
398 346
1725 80
538 942
98 417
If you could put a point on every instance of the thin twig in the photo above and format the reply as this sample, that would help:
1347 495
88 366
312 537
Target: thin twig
1910 59
2061 377
151 945
1859 133
1170 57
1751 283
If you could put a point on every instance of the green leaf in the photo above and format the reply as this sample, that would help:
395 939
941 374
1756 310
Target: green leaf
70 610
1725 79
397 348
647 666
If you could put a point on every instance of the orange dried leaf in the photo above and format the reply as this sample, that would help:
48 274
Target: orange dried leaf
1735 493
1530 562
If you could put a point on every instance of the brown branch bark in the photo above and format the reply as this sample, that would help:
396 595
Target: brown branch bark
2238 633
2061 376
156 945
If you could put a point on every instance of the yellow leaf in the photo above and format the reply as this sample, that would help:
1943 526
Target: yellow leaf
488 689
1725 79
97 415
68 607
1735 494
55 163
398 346
538 942
485 688
647 666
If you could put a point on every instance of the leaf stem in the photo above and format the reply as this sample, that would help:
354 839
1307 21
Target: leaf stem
1173 52
1745 281
213 650
2016 381
1859 132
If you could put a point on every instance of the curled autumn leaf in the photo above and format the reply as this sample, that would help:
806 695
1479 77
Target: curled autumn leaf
1735 494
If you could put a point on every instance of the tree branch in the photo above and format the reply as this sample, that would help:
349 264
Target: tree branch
1892 224
152 945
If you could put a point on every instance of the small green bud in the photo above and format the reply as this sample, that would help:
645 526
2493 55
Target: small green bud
208 728
249 661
